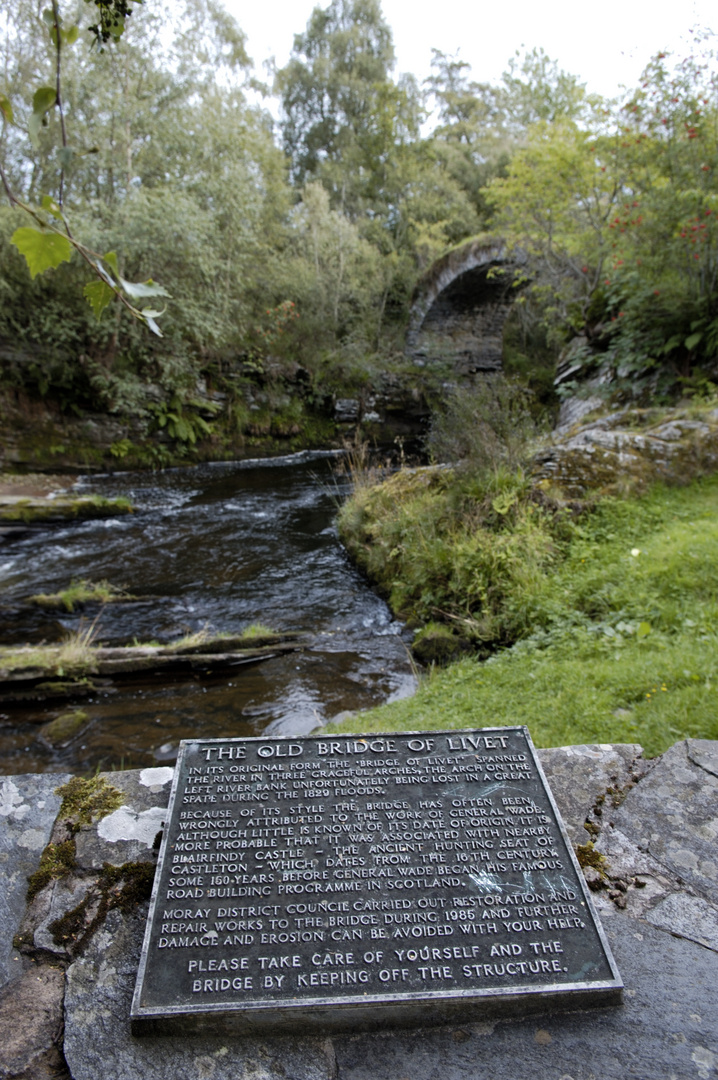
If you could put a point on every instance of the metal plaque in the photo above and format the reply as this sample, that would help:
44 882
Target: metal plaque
348 882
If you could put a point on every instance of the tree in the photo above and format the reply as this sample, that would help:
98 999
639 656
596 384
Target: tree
618 215
344 119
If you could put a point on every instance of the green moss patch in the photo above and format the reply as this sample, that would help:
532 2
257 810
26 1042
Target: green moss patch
28 511
65 727
86 801
122 887
56 861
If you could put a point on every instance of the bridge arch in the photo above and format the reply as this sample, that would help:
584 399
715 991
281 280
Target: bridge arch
459 308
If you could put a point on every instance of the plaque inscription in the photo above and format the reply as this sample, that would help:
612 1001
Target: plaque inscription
343 881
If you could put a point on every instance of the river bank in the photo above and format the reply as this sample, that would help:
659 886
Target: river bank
591 616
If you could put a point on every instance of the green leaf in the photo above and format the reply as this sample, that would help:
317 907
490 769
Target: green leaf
98 295
139 290
70 36
49 204
6 108
111 259
643 630
692 341
42 250
503 503
672 343
48 16
43 99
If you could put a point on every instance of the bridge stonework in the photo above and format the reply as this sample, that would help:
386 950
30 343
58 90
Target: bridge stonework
460 306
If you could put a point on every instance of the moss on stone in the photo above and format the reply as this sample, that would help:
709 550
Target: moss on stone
56 861
86 801
28 511
80 593
588 856
122 887
65 727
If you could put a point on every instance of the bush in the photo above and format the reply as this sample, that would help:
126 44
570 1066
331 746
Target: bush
484 426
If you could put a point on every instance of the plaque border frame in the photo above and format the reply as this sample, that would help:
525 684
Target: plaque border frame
370 1011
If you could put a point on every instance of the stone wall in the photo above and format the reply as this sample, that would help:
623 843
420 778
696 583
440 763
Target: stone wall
64 1007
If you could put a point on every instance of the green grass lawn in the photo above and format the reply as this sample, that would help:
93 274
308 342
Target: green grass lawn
621 642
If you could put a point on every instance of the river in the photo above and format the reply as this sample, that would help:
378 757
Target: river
218 546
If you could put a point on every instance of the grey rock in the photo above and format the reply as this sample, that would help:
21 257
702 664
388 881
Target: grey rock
578 775
704 754
667 1028
31 1025
672 815
688 917
346 410
98 1042
28 807
127 834
40 928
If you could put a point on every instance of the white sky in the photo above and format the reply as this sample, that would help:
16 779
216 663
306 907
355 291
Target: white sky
605 44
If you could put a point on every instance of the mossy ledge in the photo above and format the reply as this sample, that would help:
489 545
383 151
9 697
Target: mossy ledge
22 511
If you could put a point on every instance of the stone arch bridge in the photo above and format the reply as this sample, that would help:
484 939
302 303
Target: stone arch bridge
460 306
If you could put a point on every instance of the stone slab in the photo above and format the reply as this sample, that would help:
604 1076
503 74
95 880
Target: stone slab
580 775
672 815
98 1041
28 807
336 883
129 833
687 916
667 1028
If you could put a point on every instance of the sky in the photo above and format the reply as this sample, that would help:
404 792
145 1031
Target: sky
606 45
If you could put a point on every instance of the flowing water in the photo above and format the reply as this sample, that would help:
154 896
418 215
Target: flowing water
220 546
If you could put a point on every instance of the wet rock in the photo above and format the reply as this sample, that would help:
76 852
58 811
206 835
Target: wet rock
28 807
31 1021
64 728
347 410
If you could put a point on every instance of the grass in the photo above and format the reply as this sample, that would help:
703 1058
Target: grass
257 630
617 640
75 656
80 593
